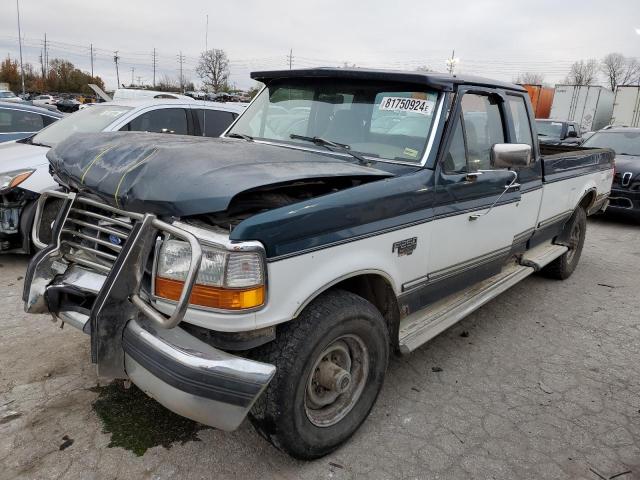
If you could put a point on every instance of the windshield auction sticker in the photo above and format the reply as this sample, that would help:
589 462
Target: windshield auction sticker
403 104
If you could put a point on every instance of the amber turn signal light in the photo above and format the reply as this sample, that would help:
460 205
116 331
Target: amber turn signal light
214 297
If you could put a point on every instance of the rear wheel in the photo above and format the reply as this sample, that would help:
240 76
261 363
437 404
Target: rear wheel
331 363
562 267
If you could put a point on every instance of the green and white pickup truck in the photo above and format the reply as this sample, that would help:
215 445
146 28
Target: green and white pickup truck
345 215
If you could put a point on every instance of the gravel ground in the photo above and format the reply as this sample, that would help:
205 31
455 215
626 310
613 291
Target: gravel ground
542 382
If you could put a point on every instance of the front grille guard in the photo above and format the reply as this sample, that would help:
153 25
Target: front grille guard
141 304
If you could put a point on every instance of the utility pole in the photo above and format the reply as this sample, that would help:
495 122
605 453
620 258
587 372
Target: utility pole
206 36
42 64
91 48
46 55
155 64
452 62
20 44
181 59
132 70
139 80
290 58
115 59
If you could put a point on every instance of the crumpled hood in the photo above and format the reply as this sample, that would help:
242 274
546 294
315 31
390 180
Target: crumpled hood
181 176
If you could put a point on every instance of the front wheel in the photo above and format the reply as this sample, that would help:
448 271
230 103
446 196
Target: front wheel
331 363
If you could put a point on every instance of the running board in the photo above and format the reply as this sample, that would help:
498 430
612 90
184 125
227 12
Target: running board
421 326
542 255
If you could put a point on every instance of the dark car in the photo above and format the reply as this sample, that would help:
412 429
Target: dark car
625 192
557 132
68 105
18 120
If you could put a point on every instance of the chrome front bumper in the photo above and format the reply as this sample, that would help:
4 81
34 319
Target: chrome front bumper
192 378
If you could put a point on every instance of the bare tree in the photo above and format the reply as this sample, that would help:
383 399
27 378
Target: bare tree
620 70
168 84
529 78
583 72
213 69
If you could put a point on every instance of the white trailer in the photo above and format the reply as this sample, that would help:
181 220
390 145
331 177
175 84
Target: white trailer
590 106
626 108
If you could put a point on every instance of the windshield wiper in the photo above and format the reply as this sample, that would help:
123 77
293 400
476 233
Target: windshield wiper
240 135
328 144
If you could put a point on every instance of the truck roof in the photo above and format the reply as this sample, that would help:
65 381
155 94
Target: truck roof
441 81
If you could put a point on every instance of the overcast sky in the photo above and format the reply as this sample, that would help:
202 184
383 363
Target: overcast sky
491 38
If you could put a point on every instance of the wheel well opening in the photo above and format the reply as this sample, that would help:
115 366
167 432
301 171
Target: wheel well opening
377 290
588 200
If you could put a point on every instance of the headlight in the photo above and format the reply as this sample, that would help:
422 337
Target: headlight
226 280
9 180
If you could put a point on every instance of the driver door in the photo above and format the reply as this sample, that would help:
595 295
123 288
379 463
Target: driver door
467 244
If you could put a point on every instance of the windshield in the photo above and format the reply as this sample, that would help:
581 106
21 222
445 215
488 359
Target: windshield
623 143
549 129
381 120
7 95
90 120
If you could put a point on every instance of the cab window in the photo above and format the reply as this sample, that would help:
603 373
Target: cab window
479 127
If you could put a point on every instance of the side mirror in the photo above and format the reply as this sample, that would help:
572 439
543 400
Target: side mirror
572 134
511 155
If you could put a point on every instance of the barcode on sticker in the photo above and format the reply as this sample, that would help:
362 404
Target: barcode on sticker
403 104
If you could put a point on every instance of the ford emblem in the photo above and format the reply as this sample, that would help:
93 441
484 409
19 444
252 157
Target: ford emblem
115 240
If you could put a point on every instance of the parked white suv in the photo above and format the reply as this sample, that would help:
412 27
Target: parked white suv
24 169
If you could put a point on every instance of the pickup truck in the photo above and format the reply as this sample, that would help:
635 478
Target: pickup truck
558 132
346 214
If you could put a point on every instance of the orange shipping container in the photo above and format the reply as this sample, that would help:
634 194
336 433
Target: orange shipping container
541 99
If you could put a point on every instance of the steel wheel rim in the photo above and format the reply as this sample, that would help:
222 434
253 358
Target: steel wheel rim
574 241
325 407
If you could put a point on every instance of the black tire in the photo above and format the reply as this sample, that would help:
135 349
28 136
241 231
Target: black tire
576 229
282 414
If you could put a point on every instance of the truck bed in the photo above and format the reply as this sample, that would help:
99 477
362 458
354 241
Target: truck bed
562 161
